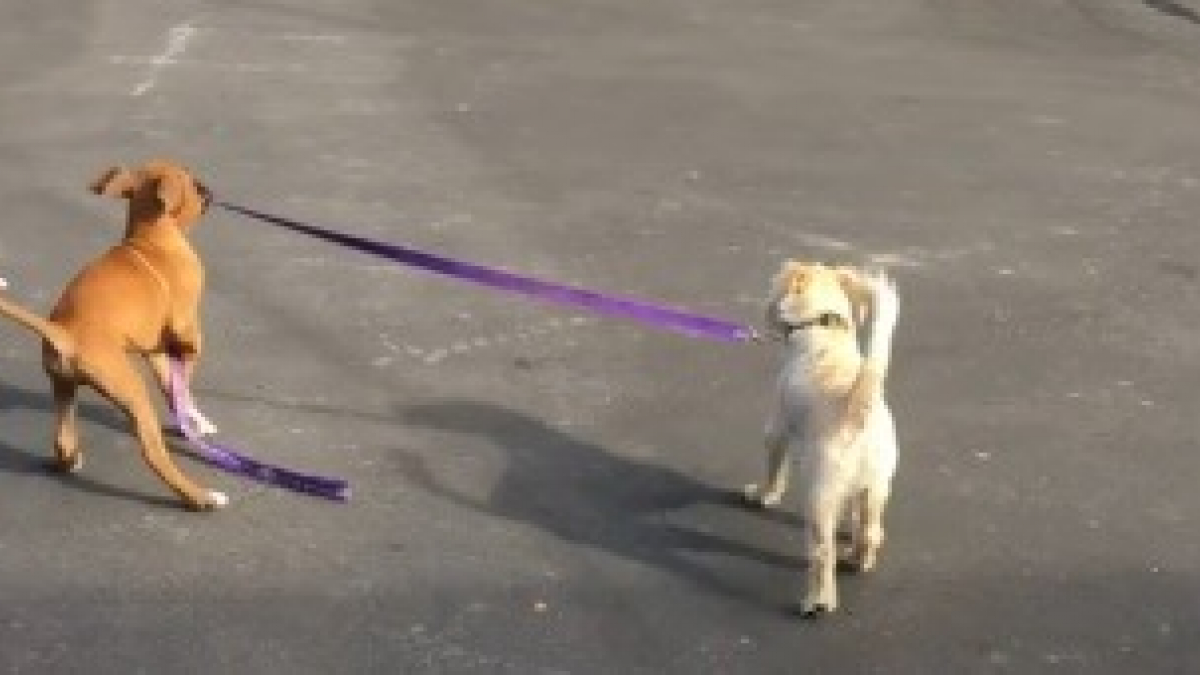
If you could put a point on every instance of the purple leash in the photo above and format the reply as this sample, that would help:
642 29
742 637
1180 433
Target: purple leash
639 310
235 462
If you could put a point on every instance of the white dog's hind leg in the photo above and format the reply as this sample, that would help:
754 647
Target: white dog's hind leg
868 535
820 584
871 502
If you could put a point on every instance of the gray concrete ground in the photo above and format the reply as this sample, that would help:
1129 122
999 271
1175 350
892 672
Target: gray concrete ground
538 491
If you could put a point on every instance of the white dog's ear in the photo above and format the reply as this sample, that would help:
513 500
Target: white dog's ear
791 278
784 283
855 286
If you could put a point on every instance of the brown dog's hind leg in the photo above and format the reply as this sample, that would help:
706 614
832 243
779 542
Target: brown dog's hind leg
116 378
66 440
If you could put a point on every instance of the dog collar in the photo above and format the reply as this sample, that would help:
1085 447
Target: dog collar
822 320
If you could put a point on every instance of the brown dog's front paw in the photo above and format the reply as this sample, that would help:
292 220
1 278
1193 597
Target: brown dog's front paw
212 501
68 466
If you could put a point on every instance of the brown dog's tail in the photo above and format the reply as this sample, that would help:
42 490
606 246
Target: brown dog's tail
58 338
884 306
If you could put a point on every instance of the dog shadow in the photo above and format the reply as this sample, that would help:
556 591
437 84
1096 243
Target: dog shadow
581 493
14 460
1175 9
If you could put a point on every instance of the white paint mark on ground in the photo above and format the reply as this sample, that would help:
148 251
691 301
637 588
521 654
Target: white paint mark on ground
252 68
908 256
303 37
435 355
177 43
893 260
821 241
1047 120
920 257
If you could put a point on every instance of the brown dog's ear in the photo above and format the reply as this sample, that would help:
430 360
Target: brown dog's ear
116 182
856 289
169 189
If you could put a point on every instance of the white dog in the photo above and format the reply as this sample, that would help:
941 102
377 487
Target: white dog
831 412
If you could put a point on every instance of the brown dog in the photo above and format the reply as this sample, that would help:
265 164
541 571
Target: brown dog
143 297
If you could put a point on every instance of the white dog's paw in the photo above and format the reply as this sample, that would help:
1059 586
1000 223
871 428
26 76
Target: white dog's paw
816 605
862 560
755 495
3 283
218 500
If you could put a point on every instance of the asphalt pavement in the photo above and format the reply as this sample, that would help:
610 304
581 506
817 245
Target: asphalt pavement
537 490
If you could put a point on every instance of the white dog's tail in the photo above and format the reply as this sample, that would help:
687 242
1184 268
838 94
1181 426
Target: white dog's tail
884 304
